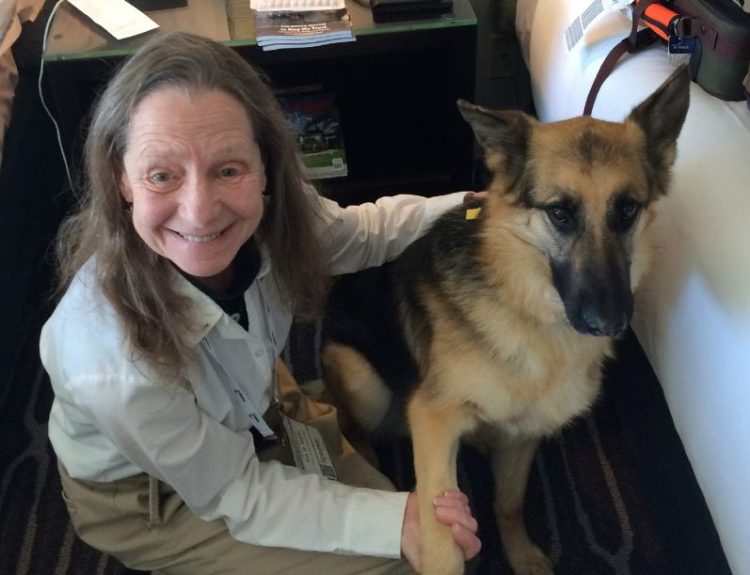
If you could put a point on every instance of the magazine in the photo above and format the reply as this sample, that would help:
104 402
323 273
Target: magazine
297 29
315 119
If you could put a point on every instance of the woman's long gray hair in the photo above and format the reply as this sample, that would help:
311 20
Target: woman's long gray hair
137 281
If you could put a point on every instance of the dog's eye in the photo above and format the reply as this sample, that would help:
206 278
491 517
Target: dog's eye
627 211
561 216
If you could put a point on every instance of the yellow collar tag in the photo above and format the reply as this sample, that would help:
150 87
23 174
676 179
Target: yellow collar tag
472 213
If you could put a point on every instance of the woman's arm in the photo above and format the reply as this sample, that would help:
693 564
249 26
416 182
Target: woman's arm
370 234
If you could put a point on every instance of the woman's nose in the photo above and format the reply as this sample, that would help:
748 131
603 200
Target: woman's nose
200 200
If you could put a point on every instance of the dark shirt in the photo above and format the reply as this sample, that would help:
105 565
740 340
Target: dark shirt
246 268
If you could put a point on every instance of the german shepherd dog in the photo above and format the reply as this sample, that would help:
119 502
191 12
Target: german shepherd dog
493 327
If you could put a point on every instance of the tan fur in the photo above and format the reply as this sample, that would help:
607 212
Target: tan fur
365 396
503 365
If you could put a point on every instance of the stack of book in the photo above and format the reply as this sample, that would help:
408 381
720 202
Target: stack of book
301 23
312 112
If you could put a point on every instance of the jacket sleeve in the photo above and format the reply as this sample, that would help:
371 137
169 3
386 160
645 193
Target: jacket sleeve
217 473
370 234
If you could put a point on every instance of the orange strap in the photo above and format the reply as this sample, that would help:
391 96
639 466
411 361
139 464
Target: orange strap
660 19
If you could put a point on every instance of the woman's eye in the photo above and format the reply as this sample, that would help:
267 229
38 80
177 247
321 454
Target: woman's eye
162 181
159 177
228 172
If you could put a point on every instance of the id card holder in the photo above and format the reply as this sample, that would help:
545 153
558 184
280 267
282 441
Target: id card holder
308 448
680 50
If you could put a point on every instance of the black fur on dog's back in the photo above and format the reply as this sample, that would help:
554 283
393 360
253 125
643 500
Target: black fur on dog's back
367 310
362 314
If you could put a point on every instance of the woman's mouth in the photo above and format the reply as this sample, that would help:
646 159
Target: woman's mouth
199 239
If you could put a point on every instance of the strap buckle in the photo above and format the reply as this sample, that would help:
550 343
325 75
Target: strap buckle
683 27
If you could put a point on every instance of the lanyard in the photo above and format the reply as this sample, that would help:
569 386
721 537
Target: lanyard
249 406
230 382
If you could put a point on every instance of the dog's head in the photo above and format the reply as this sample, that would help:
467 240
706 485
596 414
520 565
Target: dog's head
580 192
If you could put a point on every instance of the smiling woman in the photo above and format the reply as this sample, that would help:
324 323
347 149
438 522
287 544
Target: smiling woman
197 239
195 178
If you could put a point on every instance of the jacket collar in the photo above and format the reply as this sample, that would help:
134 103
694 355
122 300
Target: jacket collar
205 311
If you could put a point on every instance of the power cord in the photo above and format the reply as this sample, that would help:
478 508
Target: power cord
41 94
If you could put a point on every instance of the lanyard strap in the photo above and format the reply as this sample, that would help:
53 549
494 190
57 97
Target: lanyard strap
251 409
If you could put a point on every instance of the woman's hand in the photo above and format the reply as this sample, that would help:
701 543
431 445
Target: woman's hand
471 196
451 508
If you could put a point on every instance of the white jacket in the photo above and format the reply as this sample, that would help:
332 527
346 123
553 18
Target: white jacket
110 420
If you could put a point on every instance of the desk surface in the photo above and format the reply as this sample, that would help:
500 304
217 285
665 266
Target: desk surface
74 36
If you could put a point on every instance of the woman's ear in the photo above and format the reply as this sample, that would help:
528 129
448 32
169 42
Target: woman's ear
122 184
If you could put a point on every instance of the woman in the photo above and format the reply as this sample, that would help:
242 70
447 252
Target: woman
196 242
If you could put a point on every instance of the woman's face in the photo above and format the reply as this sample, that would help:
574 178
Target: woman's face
194 175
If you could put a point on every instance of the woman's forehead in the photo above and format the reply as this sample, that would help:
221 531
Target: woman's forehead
172 112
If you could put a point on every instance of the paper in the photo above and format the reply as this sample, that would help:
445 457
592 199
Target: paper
614 5
117 17
308 448
296 5
574 32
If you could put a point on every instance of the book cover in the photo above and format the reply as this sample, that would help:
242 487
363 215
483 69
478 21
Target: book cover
315 119
315 27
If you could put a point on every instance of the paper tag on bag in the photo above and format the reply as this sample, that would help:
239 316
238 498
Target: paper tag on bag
614 5
574 32
680 50
308 448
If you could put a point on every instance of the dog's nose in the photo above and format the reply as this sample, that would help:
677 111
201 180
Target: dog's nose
602 326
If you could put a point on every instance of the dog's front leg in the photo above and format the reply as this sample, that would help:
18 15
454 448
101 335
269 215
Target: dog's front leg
511 461
436 430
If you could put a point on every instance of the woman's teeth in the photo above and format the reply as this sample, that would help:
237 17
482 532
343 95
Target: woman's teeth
200 239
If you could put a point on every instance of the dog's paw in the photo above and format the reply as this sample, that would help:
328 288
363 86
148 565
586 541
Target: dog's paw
530 560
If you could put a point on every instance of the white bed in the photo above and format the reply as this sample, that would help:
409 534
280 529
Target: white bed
693 310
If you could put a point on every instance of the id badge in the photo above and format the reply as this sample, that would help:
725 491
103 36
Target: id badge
308 448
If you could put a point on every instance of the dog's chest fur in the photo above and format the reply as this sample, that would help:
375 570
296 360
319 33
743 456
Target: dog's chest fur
526 378
490 333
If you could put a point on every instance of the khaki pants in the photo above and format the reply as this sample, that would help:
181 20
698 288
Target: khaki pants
147 526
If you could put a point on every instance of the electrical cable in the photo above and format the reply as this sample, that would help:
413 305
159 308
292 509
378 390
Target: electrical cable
41 93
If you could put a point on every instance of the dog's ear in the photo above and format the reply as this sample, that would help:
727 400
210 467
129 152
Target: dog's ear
661 117
504 136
